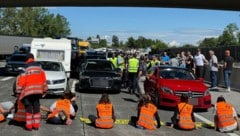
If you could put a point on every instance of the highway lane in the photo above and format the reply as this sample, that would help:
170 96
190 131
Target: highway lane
125 107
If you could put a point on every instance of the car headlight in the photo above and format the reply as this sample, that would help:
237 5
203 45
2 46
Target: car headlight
167 90
59 81
206 93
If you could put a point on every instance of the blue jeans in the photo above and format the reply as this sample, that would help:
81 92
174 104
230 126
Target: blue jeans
132 77
213 77
227 74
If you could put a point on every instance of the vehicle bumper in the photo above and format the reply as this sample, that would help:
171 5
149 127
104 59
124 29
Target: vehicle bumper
102 85
169 100
56 89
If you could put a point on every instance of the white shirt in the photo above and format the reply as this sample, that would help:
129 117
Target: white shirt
199 59
212 63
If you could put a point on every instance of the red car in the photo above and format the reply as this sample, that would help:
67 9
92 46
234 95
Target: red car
166 84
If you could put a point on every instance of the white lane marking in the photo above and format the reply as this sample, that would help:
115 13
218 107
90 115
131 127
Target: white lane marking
6 78
73 86
210 122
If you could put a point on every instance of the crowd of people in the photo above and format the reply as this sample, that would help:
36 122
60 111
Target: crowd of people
31 85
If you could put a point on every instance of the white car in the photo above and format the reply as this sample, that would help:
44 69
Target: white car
56 76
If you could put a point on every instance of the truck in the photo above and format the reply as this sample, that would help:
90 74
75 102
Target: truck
53 49
83 47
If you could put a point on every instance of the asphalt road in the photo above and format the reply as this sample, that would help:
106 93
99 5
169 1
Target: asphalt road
125 107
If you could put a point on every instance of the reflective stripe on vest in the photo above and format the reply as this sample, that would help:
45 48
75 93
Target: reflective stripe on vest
146 119
20 114
224 114
105 116
62 104
185 118
133 65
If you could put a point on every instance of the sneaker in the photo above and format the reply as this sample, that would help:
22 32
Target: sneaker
228 89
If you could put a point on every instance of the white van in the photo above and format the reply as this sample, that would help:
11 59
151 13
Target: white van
52 49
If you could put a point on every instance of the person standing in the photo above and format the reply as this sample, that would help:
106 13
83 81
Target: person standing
165 58
190 62
133 65
113 59
174 61
183 116
182 61
227 69
199 60
33 86
213 63
154 62
120 61
225 117
142 71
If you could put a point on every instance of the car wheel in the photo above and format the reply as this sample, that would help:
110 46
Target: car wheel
157 99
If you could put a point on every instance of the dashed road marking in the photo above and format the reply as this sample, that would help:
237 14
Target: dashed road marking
6 78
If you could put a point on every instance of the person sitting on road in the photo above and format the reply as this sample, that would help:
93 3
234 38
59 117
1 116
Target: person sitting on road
3 114
62 111
183 117
225 118
146 112
105 113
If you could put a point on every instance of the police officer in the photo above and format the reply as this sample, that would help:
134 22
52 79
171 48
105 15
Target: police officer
133 64
113 59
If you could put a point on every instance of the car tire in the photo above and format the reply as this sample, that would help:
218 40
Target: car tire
157 98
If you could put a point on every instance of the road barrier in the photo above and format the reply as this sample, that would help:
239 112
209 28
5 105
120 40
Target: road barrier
234 77
126 121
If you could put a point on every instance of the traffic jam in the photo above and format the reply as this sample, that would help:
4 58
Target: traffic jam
88 92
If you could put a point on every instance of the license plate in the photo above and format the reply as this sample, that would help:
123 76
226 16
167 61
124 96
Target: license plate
193 101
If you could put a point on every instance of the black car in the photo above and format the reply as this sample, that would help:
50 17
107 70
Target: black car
99 74
15 63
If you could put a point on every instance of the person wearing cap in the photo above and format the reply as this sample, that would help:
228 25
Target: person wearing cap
146 113
225 116
62 111
31 86
183 117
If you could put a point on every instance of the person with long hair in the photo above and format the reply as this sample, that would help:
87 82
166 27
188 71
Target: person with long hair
105 113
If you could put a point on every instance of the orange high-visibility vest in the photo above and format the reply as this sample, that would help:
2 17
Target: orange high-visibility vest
33 81
185 118
224 114
146 118
2 118
105 119
61 105
20 114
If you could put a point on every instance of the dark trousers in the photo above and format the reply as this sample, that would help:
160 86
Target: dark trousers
132 82
199 71
32 104
213 77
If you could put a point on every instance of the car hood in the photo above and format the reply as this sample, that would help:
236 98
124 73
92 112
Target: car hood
184 85
16 63
100 73
52 75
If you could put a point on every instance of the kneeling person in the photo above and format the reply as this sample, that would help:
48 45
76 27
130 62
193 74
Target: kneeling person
62 111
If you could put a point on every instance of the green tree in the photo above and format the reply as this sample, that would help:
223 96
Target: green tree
229 35
188 46
131 43
31 21
115 41
208 42
103 43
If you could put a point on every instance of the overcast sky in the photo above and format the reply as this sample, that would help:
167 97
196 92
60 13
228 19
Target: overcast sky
172 25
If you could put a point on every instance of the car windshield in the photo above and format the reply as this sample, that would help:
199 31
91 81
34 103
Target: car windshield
51 66
176 73
18 58
99 66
